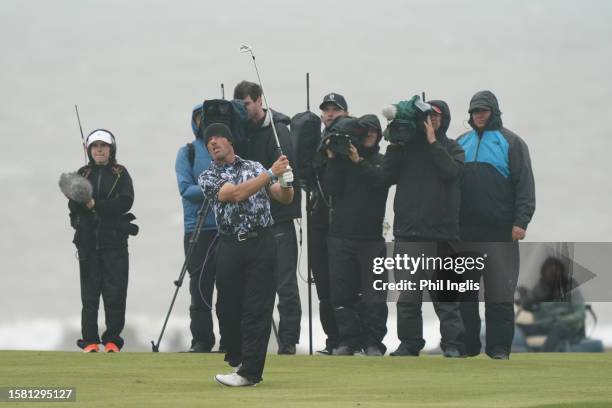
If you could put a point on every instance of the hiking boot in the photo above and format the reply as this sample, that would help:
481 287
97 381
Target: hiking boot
233 380
404 350
111 347
452 352
373 351
286 349
343 351
91 348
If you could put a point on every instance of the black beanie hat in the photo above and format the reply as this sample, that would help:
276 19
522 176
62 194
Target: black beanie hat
218 129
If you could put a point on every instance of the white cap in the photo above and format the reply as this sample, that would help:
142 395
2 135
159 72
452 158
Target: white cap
100 135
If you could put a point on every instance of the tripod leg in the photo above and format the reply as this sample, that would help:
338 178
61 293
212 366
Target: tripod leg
202 213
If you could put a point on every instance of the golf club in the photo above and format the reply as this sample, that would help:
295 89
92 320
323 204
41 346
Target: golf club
245 48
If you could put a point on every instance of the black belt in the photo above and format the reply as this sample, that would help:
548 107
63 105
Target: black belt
243 236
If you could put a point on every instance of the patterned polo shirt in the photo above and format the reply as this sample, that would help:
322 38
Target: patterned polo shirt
234 218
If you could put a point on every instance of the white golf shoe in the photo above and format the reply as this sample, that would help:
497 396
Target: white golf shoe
233 380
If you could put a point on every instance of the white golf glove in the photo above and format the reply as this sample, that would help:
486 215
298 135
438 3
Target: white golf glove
286 178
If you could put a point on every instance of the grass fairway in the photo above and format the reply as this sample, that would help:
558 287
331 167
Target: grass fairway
176 379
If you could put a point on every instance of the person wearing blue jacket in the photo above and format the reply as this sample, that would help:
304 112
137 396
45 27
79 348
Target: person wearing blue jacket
497 204
191 160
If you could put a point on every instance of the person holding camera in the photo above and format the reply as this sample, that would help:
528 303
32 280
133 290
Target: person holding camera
426 166
318 204
102 227
261 147
497 204
240 191
356 183
191 160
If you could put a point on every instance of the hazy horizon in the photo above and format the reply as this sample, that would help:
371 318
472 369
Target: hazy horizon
138 67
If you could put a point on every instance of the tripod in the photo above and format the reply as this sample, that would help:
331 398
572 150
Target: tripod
193 240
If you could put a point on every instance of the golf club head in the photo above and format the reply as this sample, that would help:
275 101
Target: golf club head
246 48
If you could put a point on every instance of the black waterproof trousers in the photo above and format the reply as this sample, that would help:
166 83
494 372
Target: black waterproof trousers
289 307
103 272
201 286
318 259
246 292
361 316
499 286
409 306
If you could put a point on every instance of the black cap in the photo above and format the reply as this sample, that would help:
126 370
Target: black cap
335 99
217 129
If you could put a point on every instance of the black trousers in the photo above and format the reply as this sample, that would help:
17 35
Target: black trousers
103 272
289 306
499 286
201 286
246 292
318 259
361 319
409 306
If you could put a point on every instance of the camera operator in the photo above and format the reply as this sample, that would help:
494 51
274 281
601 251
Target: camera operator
191 160
427 170
333 107
356 184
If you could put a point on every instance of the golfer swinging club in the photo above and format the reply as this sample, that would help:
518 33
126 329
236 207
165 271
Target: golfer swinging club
240 192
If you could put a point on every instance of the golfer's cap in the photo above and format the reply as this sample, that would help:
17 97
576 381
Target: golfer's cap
334 99
100 135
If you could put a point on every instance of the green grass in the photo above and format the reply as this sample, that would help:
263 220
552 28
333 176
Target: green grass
177 379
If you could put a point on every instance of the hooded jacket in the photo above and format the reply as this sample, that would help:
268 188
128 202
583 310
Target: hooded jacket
261 147
359 191
498 187
428 178
187 179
